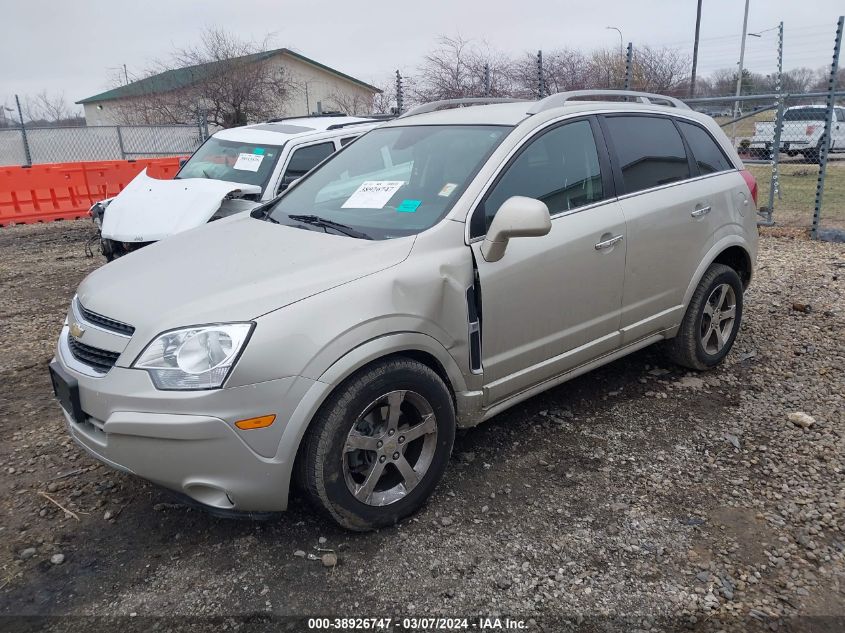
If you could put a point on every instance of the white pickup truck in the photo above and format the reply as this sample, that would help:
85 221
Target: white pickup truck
803 127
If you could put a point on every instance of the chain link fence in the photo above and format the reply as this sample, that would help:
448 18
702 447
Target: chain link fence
34 145
789 179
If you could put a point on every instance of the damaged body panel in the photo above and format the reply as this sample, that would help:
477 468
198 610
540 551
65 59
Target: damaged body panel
149 209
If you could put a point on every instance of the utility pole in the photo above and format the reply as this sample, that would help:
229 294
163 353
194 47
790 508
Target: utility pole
629 65
126 74
741 68
695 51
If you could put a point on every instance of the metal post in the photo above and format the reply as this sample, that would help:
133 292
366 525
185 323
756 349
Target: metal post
828 124
26 151
629 58
541 83
774 188
487 87
120 143
400 98
695 51
741 68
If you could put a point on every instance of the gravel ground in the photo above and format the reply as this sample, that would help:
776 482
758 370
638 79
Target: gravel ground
638 497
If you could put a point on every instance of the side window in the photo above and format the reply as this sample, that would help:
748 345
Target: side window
561 168
650 151
707 154
346 141
840 115
304 160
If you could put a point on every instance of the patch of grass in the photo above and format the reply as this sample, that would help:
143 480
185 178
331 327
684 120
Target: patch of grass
795 203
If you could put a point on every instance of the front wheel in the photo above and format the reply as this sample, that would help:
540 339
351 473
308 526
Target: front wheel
711 322
379 445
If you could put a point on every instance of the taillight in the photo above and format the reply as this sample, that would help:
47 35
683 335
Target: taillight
810 130
751 181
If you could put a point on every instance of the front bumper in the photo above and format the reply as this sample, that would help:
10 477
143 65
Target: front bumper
186 440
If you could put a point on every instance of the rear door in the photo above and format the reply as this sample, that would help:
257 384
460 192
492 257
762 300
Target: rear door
671 211
552 302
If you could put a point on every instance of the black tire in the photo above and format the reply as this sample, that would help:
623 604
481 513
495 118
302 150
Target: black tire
322 468
813 155
687 348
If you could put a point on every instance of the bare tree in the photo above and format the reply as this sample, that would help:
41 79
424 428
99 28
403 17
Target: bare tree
225 80
51 109
663 70
352 103
456 69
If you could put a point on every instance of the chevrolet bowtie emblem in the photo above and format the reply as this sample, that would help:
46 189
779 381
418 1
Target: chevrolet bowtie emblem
76 331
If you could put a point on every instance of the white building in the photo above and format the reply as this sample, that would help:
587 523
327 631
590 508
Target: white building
313 87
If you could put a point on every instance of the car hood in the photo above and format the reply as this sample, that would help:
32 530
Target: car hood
235 269
149 209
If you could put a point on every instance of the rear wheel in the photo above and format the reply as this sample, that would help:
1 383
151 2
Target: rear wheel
711 322
380 444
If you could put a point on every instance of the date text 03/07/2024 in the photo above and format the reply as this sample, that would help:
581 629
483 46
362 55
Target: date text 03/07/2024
480 624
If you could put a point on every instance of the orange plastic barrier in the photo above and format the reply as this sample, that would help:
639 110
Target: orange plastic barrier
65 191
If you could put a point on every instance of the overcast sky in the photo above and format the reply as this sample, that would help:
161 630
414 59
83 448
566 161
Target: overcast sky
76 47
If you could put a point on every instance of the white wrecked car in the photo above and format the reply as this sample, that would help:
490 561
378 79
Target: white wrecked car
235 170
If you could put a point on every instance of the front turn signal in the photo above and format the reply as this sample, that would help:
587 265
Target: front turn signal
261 422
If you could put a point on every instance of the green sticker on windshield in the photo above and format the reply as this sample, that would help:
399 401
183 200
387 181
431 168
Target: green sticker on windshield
258 150
408 206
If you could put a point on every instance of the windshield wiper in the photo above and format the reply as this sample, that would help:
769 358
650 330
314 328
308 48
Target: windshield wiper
316 220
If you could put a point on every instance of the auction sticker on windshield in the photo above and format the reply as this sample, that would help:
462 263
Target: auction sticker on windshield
372 194
248 162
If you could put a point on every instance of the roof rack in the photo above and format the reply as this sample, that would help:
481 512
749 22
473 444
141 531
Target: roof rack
455 103
306 116
559 99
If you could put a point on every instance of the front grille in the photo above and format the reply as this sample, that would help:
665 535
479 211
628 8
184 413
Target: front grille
100 359
105 322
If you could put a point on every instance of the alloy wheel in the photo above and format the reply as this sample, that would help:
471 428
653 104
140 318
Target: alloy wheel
390 448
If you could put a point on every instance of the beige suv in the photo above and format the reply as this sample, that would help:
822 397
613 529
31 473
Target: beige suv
436 271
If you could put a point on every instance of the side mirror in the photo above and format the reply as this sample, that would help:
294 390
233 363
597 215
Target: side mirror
182 162
517 217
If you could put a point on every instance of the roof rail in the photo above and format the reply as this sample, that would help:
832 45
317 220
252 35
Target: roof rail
559 99
454 103
338 126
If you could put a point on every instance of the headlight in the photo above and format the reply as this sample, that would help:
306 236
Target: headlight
197 357
98 210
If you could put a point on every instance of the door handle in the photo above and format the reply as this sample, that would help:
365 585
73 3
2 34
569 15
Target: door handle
700 212
613 241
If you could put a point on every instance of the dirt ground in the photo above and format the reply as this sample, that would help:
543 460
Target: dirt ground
638 497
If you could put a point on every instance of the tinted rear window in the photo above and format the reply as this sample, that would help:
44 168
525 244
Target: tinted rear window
650 151
805 114
706 152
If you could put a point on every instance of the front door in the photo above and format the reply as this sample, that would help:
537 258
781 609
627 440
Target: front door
552 302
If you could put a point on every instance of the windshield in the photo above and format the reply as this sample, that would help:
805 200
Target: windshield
232 161
393 181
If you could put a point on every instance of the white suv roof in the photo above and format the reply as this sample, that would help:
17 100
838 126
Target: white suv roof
512 112
280 131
